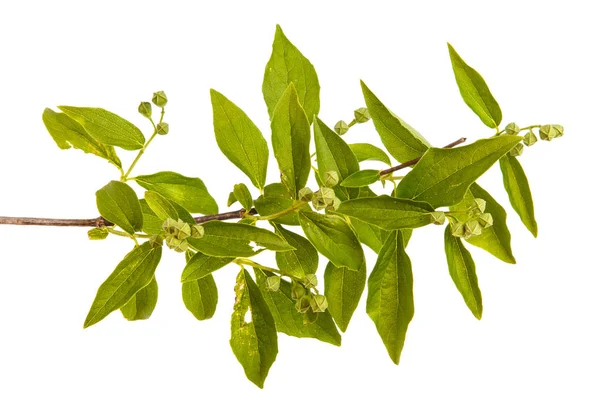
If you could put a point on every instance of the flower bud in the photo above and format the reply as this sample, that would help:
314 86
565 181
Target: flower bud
323 198
362 115
438 218
273 283
472 228
318 203
478 204
517 150
548 132
310 317
486 220
98 233
184 231
297 290
318 303
197 231
457 229
310 281
336 204
512 129
169 226
145 109
332 178
162 128
177 244
305 194
159 98
303 304
529 139
341 127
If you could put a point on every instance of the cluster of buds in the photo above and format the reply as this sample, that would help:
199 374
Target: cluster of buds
477 220
325 197
145 109
547 132
361 115
176 232
307 302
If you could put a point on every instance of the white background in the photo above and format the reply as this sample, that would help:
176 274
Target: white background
539 337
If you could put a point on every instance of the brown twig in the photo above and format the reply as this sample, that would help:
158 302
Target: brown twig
414 161
239 214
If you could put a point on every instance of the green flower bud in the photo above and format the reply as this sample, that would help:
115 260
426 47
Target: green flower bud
362 115
548 132
98 233
517 150
332 178
559 130
438 218
512 129
305 194
472 228
197 231
273 283
169 226
156 241
478 204
325 197
457 229
297 290
176 244
159 98
486 220
529 139
145 109
184 231
310 281
303 304
341 127
318 303
310 317
335 205
318 203
162 128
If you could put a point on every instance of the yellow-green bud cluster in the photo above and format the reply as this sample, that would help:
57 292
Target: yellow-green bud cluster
477 220
325 198
307 302
548 132
176 233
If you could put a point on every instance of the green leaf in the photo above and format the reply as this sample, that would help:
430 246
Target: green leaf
239 139
130 276
334 155
223 239
243 196
275 199
496 238
291 140
299 262
343 289
287 65
475 91
443 176
368 152
201 265
519 194
106 127
288 320
189 192
152 223
332 236
200 297
462 271
66 132
160 206
119 204
370 235
141 305
361 178
390 297
253 333
400 139
387 212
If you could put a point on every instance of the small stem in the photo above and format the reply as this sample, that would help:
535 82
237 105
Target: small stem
414 161
296 206
139 155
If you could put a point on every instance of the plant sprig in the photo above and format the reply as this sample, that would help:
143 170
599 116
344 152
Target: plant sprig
336 216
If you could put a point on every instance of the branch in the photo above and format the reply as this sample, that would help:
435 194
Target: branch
414 161
239 214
